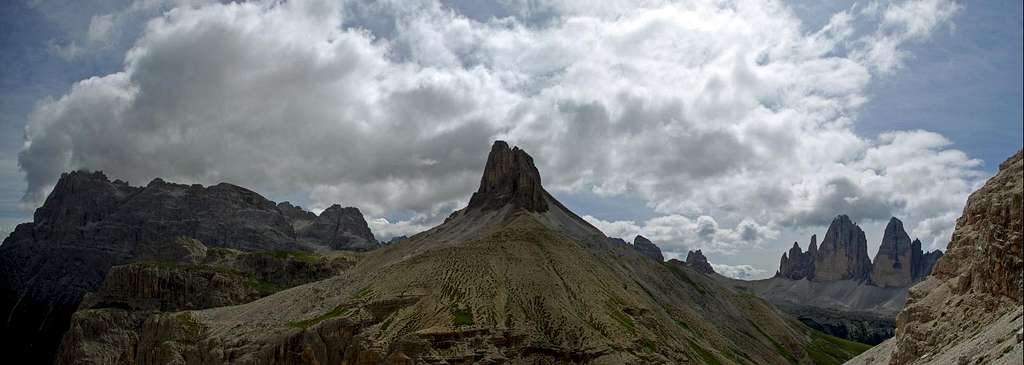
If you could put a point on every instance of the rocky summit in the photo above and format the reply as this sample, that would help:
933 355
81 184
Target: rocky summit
514 277
647 248
697 261
969 310
796 264
843 253
89 224
900 262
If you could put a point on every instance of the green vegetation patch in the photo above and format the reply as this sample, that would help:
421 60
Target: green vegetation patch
462 316
337 312
295 255
827 350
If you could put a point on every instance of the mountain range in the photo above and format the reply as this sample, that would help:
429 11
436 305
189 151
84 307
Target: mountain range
109 273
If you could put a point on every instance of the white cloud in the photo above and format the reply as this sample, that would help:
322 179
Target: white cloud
728 119
678 234
742 272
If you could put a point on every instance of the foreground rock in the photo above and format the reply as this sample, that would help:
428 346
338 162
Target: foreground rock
89 224
968 311
512 278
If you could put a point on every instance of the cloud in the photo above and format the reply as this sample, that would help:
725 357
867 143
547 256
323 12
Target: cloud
729 120
678 233
742 272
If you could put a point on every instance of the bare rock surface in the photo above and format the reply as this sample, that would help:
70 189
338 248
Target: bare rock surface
340 229
969 309
843 253
894 262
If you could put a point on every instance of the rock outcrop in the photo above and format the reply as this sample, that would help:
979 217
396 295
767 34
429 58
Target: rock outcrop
509 178
968 310
340 229
697 261
647 248
798 264
88 224
843 253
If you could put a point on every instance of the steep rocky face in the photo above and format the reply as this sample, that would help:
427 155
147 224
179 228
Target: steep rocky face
796 264
894 263
88 224
843 253
496 283
697 261
969 310
339 228
977 281
647 248
509 177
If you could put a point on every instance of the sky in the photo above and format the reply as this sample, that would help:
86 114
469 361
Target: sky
734 127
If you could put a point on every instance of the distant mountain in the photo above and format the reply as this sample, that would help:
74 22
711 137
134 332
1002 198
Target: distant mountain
969 310
514 277
835 289
89 224
899 261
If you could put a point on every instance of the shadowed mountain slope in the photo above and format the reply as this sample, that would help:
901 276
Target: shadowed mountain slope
89 223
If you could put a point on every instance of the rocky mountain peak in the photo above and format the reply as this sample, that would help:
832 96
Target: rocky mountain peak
797 264
341 228
843 254
894 262
647 248
509 177
697 261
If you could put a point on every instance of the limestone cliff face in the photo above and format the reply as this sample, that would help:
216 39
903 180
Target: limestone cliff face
894 262
976 282
647 248
969 310
89 223
509 177
843 254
